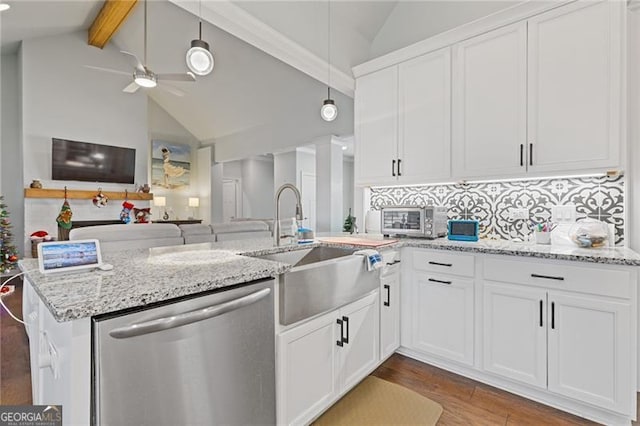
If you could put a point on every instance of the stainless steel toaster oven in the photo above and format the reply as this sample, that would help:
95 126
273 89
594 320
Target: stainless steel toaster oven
422 222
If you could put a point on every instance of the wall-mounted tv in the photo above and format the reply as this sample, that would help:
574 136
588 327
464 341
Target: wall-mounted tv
90 162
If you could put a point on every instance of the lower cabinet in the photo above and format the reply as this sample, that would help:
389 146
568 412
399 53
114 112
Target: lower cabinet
389 314
324 358
442 316
574 345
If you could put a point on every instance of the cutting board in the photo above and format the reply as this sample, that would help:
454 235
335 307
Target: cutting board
357 241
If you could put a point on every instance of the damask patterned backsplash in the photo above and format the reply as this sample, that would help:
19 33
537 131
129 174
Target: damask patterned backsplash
598 197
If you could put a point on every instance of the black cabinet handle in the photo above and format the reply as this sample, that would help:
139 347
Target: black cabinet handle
433 280
393 263
340 323
449 265
531 154
393 167
547 277
345 320
388 302
521 154
541 325
399 174
553 315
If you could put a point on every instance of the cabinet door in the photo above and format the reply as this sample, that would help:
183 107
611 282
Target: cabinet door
360 354
515 333
575 69
489 103
443 316
590 350
389 314
376 138
425 118
307 369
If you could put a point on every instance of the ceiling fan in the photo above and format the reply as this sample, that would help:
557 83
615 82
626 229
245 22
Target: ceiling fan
143 76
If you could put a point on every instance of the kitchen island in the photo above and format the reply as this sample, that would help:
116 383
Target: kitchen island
64 306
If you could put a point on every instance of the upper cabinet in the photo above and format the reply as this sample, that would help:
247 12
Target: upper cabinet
575 87
403 122
489 98
539 96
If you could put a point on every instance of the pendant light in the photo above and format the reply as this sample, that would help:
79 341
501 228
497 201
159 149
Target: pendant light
329 110
199 57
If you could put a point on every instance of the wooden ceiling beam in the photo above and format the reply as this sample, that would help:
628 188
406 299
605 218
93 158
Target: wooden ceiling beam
111 17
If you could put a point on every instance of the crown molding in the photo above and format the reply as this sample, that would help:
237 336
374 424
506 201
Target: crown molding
241 24
633 5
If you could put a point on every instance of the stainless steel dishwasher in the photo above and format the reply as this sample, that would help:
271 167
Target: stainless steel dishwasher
207 360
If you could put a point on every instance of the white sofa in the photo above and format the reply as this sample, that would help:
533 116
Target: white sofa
119 237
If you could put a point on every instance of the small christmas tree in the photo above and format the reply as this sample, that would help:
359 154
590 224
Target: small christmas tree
349 224
8 252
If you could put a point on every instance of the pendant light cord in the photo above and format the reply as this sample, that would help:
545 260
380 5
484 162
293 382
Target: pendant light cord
200 20
145 33
328 49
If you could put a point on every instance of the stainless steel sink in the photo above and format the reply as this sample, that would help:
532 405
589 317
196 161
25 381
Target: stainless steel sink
322 279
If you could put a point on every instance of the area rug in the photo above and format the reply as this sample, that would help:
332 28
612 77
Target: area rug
378 402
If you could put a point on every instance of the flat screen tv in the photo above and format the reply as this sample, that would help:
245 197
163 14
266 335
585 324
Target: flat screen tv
90 162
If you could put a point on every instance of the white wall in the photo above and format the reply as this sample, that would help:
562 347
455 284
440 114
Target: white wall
258 188
62 98
347 191
413 21
163 126
10 146
285 171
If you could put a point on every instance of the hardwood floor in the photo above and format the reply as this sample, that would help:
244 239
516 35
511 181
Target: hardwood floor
15 378
465 401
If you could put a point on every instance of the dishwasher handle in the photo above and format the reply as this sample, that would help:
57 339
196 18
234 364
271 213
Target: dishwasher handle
185 318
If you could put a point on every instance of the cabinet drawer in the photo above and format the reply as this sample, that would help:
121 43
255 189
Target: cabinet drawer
444 263
580 277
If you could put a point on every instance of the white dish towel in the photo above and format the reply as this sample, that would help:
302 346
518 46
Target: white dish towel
371 257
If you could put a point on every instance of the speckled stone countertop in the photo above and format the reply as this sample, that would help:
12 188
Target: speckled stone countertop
146 276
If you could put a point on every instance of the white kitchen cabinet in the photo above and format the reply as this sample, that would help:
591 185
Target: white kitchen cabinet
589 350
489 103
575 86
322 359
403 121
515 333
376 127
424 138
442 316
389 313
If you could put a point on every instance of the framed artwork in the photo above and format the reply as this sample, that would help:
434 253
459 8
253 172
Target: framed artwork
170 164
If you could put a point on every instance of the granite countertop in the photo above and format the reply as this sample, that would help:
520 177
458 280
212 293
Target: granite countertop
145 276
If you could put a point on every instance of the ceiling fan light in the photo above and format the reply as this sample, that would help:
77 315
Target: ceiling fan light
329 110
4 6
199 58
147 80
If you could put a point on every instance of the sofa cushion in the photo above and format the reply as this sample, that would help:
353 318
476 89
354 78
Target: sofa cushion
126 232
244 226
229 236
195 229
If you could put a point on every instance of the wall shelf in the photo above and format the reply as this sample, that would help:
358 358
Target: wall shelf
87 195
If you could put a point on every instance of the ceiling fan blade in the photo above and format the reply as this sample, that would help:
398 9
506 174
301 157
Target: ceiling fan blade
171 89
138 64
185 76
131 88
108 70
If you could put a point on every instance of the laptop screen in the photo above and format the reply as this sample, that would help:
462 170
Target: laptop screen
69 255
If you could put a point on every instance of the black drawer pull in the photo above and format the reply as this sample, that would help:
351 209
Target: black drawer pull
393 263
339 322
553 315
449 265
393 167
521 154
433 280
548 277
346 321
388 302
399 174
531 154
541 325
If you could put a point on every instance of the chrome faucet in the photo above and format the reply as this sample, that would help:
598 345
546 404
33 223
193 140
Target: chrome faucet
276 226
